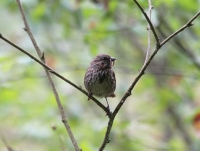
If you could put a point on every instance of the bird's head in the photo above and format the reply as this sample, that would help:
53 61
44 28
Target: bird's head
103 61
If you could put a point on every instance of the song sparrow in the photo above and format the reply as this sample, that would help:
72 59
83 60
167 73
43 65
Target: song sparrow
100 79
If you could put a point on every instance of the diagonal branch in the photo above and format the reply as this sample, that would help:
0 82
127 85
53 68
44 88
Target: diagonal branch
28 30
188 24
186 51
140 74
56 73
42 58
149 21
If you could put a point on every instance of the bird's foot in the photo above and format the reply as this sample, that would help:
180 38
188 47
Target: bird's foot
108 112
89 96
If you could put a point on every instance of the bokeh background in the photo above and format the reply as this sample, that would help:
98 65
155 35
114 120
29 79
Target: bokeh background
162 114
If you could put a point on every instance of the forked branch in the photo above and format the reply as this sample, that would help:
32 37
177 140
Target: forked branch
140 74
128 93
55 73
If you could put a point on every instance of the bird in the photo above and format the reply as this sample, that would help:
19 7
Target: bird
99 79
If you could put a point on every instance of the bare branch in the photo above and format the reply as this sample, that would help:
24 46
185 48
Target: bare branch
149 21
57 74
27 29
128 93
41 55
149 33
188 24
186 51
140 74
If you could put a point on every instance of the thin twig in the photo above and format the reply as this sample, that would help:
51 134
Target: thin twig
186 51
128 93
188 24
140 74
27 29
149 21
57 74
149 33
41 55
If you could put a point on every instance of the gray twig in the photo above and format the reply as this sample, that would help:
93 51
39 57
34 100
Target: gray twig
56 74
149 21
42 58
188 24
140 74
128 93
149 33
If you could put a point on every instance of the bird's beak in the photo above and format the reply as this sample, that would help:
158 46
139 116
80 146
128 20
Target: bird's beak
112 60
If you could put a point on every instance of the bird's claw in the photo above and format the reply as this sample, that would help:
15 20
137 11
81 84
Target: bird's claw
108 112
89 96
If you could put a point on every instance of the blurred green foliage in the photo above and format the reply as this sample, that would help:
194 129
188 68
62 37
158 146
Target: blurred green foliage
159 113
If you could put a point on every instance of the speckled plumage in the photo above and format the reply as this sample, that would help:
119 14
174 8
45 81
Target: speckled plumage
100 79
